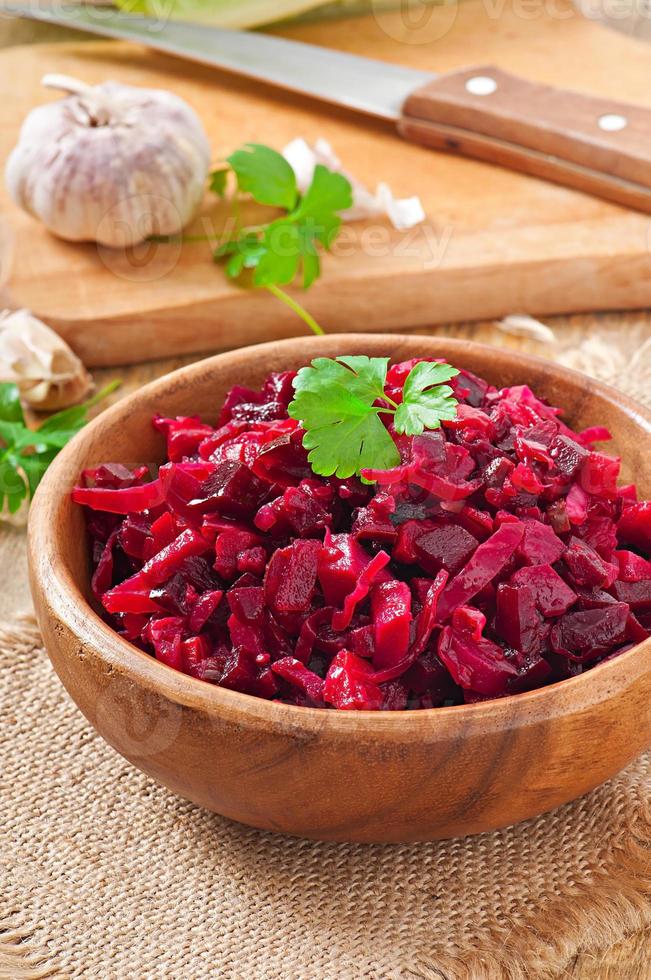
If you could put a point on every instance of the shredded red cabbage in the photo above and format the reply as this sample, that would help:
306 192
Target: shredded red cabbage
498 557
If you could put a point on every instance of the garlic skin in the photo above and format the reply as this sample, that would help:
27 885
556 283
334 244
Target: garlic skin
110 163
48 374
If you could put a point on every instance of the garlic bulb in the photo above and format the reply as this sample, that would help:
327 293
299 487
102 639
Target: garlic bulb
110 163
48 374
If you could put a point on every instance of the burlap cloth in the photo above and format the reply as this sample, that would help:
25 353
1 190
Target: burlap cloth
105 874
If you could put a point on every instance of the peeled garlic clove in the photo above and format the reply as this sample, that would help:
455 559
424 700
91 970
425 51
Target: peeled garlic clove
48 374
110 163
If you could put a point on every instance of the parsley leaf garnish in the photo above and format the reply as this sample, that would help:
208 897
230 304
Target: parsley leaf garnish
426 401
26 453
265 175
278 250
275 253
218 180
336 403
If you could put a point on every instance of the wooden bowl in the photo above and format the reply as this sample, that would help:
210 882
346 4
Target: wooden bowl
335 775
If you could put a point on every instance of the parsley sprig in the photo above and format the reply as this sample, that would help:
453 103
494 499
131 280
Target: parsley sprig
273 254
26 453
340 402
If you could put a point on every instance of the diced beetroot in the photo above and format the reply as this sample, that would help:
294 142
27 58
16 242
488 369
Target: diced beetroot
347 686
533 671
373 522
341 561
296 673
184 435
241 567
246 636
524 478
628 493
591 633
114 476
576 504
229 546
553 596
634 527
599 474
636 594
488 560
475 663
540 545
163 531
424 627
195 651
427 674
284 461
587 567
247 603
232 490
518 620
203 609
291 577
594 599
447 546
166 635
242 673
635 631
568 455
303 511
632 567
409 532
599 531
391 613
478 522
472 419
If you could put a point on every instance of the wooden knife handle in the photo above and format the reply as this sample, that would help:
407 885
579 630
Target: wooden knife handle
596 145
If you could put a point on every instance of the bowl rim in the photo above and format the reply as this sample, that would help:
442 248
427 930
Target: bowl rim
65 598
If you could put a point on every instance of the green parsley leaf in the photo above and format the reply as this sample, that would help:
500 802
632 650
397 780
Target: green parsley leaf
328 193
25 453
426 400
280 254
266 175
217 181
10 408
278 251
282 248
336 404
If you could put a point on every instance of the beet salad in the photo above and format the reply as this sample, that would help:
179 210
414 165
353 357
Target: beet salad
361 535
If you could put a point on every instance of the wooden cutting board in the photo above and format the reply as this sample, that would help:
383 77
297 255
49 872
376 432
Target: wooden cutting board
494 242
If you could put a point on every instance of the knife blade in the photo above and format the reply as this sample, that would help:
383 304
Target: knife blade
601 146
376 88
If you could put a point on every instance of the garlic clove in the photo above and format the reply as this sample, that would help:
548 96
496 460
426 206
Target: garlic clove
110 163
523 325
403 213
49 375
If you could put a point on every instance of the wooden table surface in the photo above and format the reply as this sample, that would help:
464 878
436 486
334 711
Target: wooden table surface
603 344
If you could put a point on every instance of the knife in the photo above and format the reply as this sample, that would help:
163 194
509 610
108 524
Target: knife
596 145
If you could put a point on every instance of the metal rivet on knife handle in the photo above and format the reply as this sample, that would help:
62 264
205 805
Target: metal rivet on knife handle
481 85
592 144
